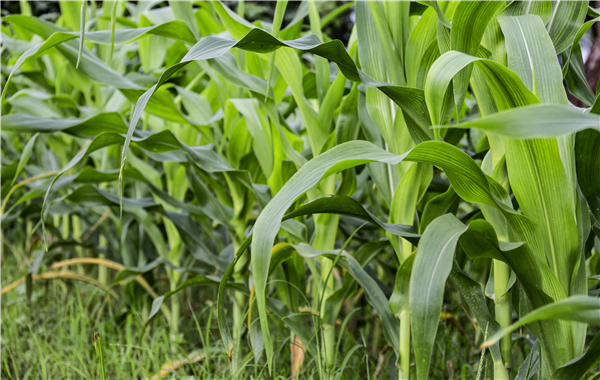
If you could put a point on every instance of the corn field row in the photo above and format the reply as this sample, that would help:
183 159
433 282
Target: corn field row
434 161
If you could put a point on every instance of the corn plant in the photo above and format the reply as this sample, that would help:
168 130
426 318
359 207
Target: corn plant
297 174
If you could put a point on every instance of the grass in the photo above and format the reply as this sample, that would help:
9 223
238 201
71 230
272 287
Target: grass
52 336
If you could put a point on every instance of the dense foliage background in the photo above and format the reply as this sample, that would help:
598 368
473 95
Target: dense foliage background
302 190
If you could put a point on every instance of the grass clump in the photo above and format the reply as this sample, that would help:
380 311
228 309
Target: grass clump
192 190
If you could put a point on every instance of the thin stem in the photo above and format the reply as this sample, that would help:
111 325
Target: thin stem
404 370
113 24
102 272
329 17
503 309
277 21
325 233
326 228
76 222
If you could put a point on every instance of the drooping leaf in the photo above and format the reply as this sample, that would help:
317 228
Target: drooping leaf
579 366
536 121
577 308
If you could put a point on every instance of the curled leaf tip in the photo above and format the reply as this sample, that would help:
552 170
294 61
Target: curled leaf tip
82 31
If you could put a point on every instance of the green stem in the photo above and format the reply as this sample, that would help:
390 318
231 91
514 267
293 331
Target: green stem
174 277
502 300
145 311
65 229
175 302
277 20
239 299
102 270
500 371
325 233
329 17
113 25
321 65
404 206
76 222
238 323
241 8
404 370
503 311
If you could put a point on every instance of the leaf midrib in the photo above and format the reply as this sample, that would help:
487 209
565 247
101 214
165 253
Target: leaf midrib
435 268
546 218
535 165
551 22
